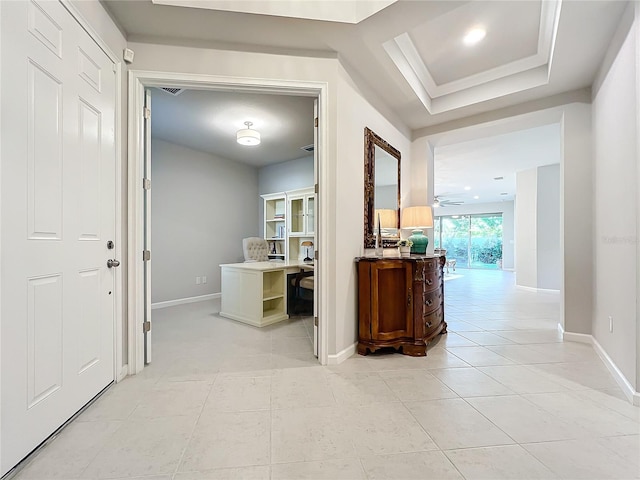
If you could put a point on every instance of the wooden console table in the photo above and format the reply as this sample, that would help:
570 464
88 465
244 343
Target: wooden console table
400 303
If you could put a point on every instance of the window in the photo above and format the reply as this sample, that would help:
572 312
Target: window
475 241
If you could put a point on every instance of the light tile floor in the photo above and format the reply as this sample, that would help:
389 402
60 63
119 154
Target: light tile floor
499 397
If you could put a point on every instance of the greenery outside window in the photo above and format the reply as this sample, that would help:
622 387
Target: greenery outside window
474 241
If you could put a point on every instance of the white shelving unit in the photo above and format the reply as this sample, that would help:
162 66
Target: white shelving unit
300 214
288 221
275 224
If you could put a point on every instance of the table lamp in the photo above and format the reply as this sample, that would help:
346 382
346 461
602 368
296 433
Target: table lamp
307 243
418 217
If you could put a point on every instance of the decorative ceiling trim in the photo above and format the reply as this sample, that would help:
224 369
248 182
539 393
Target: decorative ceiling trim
341 11
522 74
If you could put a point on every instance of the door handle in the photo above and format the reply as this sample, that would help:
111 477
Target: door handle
113 263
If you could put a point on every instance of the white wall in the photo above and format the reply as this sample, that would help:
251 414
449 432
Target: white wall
548 227
202 207
538 256
526 226
354 114
615 134
507 211
342 175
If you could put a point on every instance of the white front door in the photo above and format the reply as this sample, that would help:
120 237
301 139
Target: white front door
57 198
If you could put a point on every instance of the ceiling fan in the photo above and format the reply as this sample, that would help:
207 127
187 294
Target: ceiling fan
438 201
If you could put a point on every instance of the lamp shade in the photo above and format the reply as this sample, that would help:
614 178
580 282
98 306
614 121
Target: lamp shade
247 136
417 217
388 218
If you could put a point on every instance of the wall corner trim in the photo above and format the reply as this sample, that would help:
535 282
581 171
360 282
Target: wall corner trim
628 390
341 356
182 301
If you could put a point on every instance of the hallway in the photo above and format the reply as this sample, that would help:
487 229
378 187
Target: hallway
500 396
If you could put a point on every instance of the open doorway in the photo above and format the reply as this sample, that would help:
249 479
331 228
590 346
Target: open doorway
226 169
249 206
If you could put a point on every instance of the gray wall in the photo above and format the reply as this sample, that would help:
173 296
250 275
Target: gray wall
202 207
281 177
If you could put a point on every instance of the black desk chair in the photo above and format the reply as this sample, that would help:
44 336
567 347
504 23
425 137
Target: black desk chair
302 286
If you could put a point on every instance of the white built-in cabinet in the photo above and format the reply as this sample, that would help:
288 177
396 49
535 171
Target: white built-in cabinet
288 221
275 224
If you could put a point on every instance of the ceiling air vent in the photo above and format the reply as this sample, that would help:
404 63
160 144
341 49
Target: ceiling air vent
498 178
175 91
308 148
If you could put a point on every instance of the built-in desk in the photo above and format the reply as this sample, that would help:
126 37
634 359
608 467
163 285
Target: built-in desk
256 292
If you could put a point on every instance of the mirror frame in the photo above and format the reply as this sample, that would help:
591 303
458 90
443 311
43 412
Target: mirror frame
370 142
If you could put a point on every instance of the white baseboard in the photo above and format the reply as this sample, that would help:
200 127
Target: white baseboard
534 289
124 371
578 337
621 380
182 301
341 356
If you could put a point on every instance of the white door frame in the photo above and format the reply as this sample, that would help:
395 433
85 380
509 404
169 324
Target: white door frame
138 80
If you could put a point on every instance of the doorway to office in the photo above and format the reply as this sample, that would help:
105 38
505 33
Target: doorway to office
139 283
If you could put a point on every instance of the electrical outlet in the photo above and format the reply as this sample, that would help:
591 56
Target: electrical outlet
204 279
610 324
198 279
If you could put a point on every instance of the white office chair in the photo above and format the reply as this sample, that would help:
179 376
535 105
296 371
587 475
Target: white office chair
255 249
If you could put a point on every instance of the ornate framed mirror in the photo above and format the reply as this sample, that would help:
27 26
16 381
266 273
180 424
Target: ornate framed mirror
381 190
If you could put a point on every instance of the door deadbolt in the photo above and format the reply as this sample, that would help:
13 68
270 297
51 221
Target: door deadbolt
110 244
113 263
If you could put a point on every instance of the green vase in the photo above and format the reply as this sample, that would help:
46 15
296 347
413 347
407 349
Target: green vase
420 242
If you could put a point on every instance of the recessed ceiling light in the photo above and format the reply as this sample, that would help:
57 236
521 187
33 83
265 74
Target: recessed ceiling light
474 35
467 188
476 197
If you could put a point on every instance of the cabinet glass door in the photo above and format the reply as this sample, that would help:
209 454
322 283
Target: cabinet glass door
297 216
310 214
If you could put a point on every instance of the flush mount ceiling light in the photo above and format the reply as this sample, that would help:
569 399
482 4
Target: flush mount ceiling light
474 35
247 136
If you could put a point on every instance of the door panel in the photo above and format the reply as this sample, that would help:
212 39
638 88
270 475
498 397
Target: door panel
44 154
57 199
44 338
392 301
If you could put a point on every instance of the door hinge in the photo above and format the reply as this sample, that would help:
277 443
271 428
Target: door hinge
146 255
147 113
146 184
315 122
146 326
315 321
315 255
315 188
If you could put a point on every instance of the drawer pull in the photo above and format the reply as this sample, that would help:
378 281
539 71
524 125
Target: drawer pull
429 282
428 324
428 302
